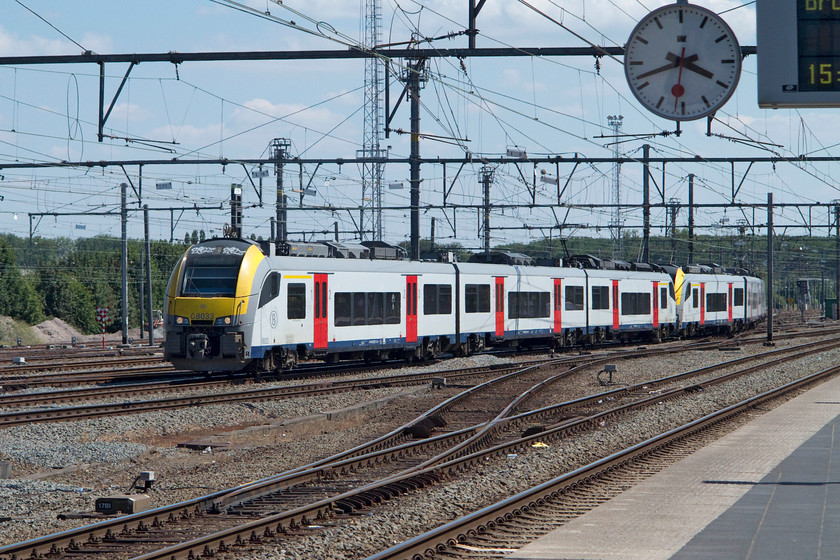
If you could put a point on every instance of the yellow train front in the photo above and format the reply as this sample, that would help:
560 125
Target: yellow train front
211 305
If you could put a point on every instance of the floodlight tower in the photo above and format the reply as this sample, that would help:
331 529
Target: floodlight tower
614 122
370 214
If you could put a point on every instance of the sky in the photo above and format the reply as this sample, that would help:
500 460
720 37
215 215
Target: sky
202 110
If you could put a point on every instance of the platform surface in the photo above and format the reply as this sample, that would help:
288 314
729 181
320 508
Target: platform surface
767 491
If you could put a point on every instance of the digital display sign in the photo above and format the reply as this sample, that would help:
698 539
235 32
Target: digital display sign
818 44
798 50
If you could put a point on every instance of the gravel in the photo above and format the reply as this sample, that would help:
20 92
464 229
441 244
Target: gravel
114 450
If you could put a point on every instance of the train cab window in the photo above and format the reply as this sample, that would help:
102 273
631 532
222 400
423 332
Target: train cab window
600 297
437 299
210 281
270 289
738 297
477 298
695 298
635 303
296 302
574 298
663 298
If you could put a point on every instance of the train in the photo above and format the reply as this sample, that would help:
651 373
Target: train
237 305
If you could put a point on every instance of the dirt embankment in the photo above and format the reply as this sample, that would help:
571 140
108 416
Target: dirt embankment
52 331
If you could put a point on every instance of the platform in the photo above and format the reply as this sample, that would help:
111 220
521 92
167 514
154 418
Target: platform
769 490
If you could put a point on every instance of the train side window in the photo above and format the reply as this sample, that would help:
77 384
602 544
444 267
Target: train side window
738 297
529 305
600 297
635 303
343 310
296 303
270 289
359 304
716 302
574 298
375 308
663 298
392 308
437 299
477 298
695 298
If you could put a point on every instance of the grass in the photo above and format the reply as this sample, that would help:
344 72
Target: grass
11 329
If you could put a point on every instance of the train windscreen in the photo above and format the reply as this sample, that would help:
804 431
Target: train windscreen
212 269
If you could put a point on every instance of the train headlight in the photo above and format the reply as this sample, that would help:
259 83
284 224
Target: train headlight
182 321
223 321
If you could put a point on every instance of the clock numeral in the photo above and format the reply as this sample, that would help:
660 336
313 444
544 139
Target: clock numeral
682 106
721 38
636 63
703 23
658 23
661 99
643 86
681 16
706 101
723 85
728 61
641 40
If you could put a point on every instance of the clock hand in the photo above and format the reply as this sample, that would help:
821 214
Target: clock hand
678 90
675 61
658 70
688 64
694 68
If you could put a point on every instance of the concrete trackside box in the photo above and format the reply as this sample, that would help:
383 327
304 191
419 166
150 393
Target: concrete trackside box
122 503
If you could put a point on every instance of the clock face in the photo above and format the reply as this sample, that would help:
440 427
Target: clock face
682 62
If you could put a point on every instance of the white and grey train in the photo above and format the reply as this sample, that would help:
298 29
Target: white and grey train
233 304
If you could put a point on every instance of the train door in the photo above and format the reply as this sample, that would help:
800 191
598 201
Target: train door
615 304
321 311
411 308
655 304
702 303
558 309
500 306
729 302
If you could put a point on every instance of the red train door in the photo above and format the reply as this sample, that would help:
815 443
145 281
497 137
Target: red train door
321 311
558 309
655 305
411 308
500 306
702 303
729 302
615 304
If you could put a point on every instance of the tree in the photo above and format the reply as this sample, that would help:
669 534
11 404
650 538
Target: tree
186 238
202 236
194 237
18 297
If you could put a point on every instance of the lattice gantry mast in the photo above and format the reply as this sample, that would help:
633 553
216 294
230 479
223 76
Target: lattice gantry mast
370 213
615 223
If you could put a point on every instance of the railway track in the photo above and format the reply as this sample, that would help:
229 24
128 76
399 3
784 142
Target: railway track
494 531
182 383
391 465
